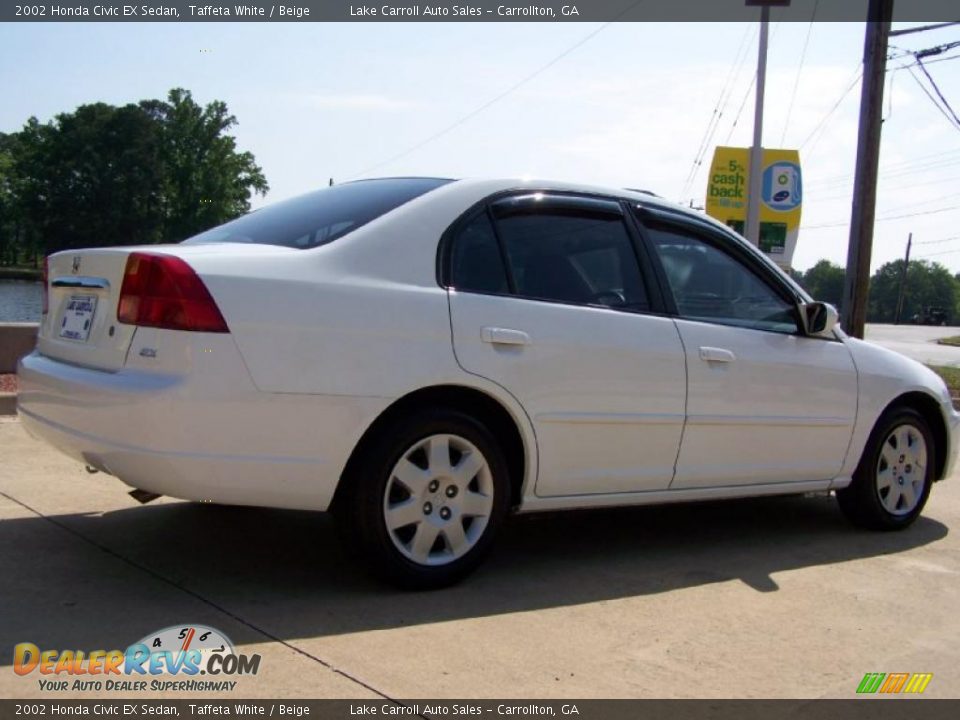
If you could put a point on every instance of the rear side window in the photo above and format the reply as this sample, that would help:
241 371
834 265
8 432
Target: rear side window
573 257
322 216
476 264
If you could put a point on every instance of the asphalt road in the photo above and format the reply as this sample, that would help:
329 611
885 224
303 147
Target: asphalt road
763 598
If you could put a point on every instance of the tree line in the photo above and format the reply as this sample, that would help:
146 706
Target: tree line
163 170
151 172
928 285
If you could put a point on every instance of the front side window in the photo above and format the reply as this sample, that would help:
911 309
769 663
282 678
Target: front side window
572 256
712 286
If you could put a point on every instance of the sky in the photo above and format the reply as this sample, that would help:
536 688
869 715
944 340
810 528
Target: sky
622 104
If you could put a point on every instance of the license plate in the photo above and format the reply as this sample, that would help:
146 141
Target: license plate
78 317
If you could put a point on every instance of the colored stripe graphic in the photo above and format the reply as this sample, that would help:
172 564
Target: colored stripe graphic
918 683
870 683
894 682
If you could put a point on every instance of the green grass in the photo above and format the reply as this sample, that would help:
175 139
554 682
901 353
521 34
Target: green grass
951 376
953 340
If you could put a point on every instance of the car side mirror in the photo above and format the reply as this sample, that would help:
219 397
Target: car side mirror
818 318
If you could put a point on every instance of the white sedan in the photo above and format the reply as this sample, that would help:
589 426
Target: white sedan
420 356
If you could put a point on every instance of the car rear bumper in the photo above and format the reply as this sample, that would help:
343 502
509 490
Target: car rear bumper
207 435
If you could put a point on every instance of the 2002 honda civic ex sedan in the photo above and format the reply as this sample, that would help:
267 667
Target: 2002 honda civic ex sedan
422 355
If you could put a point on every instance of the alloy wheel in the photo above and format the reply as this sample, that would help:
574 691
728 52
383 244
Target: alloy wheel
902 470
438 499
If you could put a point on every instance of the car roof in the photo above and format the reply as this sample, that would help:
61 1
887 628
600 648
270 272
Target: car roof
648 198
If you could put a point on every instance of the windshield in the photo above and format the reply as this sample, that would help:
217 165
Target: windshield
321 216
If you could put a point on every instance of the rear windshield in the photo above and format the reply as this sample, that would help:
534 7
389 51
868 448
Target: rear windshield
321 216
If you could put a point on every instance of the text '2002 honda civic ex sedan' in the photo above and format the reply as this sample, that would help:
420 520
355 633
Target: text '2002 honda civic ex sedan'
421 355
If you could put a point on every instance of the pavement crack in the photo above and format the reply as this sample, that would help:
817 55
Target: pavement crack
202 598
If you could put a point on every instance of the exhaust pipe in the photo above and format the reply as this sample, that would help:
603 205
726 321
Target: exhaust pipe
143 496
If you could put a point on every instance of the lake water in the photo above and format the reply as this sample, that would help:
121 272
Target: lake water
20 301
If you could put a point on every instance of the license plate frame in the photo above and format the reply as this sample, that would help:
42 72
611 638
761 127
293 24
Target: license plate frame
77 319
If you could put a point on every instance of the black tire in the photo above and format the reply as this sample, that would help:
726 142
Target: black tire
861 502
360 508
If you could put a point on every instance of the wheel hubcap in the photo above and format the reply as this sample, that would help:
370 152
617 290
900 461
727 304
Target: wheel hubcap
438 499
902 470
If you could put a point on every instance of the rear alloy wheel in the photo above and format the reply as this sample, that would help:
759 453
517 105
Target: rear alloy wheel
438 500
892 483
424 503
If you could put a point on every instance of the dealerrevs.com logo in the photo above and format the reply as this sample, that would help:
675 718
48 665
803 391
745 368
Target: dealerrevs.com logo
179 653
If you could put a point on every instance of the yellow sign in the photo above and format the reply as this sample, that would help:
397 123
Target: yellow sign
781 195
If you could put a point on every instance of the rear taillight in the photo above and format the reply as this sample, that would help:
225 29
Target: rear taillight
45 294
162 291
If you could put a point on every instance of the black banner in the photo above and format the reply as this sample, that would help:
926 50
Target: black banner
467 11
872 709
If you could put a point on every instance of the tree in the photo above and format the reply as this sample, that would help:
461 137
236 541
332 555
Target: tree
929 284
824 282
156 171
208 181
8 199
91 178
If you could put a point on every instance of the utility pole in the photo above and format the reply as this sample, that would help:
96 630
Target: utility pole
903 280
857 282
756 150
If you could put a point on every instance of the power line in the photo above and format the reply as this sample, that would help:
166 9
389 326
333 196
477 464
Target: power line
743 104
796 81
718 109
884 219
922 28
932 99
937 242
896 165
823 122
746 95
949 196
497 98
937 60
936 89
897 170
908 186
942 252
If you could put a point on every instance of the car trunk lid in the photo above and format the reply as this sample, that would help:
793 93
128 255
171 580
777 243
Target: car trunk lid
81 325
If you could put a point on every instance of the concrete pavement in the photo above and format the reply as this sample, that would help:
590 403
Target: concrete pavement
764 598
917 341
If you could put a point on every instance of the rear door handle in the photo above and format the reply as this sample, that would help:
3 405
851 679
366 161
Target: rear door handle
504 336
712 354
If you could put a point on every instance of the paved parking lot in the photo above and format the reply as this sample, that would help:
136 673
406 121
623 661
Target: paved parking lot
917 341
761 598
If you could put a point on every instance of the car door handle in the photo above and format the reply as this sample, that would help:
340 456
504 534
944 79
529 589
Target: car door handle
504 336
712 354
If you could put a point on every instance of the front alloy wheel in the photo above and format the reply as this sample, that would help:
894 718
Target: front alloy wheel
902 470
892 482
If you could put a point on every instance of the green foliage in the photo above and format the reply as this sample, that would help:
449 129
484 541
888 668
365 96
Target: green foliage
824 281
157 171
929 284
